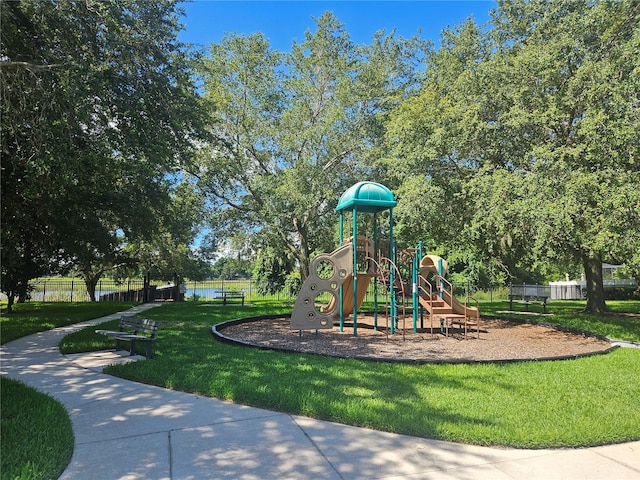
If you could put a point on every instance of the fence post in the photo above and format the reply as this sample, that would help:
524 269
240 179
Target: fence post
72 280
510 298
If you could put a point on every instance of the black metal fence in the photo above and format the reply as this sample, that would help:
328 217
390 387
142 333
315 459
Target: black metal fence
75 290
55 289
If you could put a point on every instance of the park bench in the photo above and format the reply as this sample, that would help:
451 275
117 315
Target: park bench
230 295
133 330
529 293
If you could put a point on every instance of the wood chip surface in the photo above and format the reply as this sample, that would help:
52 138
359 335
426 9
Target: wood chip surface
500 340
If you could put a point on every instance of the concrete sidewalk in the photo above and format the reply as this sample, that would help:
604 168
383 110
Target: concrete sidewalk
126 430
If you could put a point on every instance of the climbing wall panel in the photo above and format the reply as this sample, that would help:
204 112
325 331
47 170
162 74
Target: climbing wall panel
327 273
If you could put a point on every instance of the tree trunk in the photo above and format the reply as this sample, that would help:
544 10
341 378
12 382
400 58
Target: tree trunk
303 260
91 284
146 294
91 279
301 252
595 286
23 291
10 299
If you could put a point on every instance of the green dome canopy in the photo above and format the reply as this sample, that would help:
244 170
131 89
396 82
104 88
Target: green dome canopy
367 197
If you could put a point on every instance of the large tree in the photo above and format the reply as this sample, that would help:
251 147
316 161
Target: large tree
539 130
571 69
434 152
98 106
297 129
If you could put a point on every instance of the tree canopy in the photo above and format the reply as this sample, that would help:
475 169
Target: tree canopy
513 148
296 130
98 106
530 128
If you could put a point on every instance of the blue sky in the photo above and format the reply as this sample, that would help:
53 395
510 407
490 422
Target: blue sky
281 22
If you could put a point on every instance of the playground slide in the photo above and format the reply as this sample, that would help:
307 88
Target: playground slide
436 264
458 308
347 295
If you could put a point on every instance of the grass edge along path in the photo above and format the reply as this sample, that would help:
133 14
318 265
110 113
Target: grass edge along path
37 435
569 403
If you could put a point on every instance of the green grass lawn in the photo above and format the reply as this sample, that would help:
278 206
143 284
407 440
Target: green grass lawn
33 317
572 403
37 438
569 314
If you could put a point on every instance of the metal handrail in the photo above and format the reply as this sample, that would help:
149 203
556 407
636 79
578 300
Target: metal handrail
427 293
391 263
477 307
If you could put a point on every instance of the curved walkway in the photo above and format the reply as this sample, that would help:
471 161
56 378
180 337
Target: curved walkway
126 430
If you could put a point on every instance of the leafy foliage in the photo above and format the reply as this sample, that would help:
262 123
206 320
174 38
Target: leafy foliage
98 106
529 131
294 130
271 270
230 268
514 153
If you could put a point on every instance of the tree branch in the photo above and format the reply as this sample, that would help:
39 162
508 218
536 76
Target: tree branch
30 66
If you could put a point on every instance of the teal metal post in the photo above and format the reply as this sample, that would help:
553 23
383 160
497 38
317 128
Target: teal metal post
375 271
440 277
392 297
355 271
415 274
341 294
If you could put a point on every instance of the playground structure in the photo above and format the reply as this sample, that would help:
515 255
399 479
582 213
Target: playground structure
344 276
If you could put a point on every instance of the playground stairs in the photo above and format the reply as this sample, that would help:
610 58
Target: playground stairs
446 316
435 305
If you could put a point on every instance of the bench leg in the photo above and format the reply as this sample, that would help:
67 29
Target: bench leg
149 350
132 347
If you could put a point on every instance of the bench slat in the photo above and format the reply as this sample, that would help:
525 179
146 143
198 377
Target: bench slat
131 330
109 333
